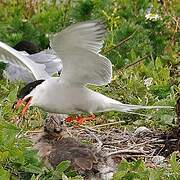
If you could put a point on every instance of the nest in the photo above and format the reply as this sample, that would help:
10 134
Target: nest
142 143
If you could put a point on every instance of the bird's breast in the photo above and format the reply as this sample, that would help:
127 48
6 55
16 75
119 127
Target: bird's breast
62 99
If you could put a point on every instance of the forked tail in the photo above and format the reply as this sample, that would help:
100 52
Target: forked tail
129 108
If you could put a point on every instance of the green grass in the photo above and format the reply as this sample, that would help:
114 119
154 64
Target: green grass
130 36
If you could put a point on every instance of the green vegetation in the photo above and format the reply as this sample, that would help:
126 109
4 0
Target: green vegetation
137 170
144 53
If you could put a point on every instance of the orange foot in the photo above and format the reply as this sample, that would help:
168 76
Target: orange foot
80 119
70 119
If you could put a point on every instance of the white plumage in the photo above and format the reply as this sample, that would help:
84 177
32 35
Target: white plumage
78 46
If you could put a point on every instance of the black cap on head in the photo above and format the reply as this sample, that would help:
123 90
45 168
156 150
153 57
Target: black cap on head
28 88
27 46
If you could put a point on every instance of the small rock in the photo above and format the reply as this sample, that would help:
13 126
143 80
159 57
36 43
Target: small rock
141 131
158 160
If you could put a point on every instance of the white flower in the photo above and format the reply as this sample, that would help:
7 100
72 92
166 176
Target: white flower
47 35
148 82
152 17
149 9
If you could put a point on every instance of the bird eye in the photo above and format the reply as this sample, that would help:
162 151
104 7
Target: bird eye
59 72
57 130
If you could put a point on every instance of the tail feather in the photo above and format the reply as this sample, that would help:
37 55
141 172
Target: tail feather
128 107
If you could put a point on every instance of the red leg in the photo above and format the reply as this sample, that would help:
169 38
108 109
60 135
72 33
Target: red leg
81 120
69 119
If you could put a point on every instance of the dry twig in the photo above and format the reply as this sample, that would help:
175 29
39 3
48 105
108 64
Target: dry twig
120 43
136 62
97 139
108 124
127 151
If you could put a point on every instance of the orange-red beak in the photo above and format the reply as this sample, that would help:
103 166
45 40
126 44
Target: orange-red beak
20 102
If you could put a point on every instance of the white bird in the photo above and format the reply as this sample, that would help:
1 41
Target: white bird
27 50
78 47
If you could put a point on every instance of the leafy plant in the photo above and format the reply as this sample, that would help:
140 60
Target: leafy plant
137 170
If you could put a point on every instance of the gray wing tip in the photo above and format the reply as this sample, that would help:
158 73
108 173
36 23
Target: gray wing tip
101 24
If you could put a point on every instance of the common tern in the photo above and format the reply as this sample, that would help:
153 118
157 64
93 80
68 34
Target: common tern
78 47
28 50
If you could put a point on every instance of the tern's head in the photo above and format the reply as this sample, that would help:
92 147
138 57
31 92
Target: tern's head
27 46
26 95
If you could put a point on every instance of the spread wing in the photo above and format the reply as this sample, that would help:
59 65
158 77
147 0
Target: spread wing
14 73
78 46
53 66
11 56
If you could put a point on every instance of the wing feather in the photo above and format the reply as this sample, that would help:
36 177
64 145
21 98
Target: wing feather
49 59
16 58
78 46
